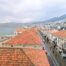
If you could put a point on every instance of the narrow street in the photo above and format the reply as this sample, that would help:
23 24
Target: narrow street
51 58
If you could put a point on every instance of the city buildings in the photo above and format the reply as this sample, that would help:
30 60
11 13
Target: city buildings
24 49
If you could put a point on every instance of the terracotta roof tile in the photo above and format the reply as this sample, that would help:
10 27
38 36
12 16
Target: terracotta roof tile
20 30
60 34
27 37
22 57
14 57
38 57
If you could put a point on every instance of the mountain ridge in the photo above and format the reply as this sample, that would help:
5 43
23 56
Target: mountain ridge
18 25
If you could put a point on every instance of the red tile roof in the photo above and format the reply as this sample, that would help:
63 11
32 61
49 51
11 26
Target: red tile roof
22 57
14 57
60 34
57 33
38 57
27 37
20 30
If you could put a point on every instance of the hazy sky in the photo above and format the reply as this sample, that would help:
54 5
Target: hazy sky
30 10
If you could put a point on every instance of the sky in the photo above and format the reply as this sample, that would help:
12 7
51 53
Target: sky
25 11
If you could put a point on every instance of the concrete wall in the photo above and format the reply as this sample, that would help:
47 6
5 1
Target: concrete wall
21 46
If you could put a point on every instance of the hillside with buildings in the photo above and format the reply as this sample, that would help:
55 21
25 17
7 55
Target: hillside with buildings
35 45
32 32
